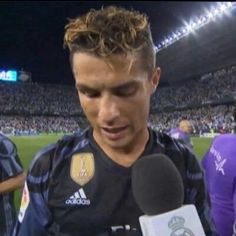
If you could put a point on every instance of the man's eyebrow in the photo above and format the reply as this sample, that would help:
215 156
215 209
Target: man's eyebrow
125 85
83 86
118 87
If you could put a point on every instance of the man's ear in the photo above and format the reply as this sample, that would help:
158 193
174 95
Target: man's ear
155 78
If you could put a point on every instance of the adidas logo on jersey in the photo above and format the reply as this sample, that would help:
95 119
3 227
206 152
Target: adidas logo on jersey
78 198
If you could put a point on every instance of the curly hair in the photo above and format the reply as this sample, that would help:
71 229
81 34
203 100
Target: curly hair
111 30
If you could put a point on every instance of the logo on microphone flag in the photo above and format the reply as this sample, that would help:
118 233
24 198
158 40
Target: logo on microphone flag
177 225
183 221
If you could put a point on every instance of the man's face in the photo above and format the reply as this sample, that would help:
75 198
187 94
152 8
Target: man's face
186 127
115 96
189 128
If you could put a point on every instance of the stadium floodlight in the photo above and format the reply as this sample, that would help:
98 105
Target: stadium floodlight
184 30
189 27
178 33
215 12
204 19
210 15
223 7
199 21
175 36
193 24
219 9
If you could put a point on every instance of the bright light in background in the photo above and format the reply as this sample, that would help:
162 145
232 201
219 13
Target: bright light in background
220 9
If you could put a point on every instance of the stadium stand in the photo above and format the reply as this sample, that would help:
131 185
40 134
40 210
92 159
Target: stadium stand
32 108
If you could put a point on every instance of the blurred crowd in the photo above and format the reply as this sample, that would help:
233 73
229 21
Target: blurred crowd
218 119
29 108
26 125
211 88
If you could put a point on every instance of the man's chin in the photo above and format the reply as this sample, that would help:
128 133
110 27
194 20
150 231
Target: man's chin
116 144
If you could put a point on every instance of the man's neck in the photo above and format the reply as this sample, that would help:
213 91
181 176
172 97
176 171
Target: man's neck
126 156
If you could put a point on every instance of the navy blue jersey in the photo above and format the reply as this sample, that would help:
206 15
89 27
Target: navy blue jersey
10 166
73 188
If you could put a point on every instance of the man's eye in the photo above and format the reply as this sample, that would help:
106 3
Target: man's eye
90 94
126 91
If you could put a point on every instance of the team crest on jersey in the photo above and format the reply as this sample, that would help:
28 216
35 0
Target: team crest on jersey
82 168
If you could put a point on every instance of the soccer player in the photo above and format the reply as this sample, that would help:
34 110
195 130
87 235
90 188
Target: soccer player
12 177
82 184
182 133
220 167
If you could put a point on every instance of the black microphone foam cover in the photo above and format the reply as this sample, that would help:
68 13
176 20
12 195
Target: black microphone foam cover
156 184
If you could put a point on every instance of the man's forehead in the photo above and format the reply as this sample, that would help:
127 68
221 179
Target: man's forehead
125 62
122 62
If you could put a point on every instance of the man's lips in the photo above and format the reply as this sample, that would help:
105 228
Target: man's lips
114 130
114 133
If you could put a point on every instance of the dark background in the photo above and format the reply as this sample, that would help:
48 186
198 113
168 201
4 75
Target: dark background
32 33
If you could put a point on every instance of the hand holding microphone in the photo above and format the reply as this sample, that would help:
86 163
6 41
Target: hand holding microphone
158 190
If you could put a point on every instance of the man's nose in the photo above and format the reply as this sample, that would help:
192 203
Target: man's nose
108 109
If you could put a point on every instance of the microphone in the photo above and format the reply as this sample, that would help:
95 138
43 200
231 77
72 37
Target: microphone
159 192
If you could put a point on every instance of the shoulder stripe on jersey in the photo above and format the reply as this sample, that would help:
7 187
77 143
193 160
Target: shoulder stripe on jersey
81 144
43 213
41 153
194 176
38 180
10 147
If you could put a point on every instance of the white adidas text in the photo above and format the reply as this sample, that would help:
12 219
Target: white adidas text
78 198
